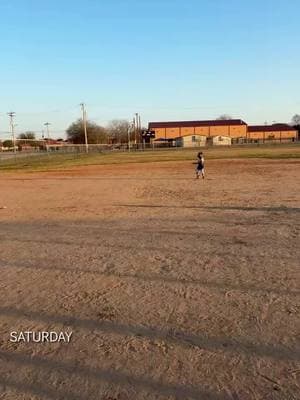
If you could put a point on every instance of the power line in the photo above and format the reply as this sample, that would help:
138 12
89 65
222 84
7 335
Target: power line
62 110
125 106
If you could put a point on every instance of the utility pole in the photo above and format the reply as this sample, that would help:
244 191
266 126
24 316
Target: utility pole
84 127
138 126
134 129
12 126
47 129
140 131
128 134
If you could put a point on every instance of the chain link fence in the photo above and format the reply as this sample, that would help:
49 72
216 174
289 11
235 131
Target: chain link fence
41 148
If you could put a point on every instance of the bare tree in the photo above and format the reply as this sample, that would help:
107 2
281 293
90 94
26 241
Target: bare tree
118 130
27 139
296 120
296 123
27 135
224 117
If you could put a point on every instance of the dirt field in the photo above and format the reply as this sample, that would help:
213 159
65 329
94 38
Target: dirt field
174 288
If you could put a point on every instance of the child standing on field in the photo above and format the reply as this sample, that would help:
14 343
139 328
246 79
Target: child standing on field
200 165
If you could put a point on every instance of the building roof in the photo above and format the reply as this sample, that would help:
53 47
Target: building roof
185 124
270 128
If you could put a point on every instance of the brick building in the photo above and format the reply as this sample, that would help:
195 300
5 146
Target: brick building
232 128
278 132
235 128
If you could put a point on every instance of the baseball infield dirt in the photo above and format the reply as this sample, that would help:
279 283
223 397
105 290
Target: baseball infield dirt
172 287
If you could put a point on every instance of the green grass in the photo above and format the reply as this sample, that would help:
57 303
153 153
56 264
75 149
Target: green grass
54 162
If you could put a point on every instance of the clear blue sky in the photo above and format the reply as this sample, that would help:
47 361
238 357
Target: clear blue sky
166 59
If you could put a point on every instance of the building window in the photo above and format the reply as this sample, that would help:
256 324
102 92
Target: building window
193 138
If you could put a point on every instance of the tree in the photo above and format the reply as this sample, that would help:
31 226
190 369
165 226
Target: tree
7 143
296 120
96 134
118 130
224 117
27 139
296 123
27 135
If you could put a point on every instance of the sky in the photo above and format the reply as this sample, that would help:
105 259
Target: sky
165 59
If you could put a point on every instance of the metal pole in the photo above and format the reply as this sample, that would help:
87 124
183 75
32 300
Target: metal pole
48 136
47 128
11 115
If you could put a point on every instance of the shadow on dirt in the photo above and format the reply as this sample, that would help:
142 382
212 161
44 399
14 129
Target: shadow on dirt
222 208
175 337
117 378
222 286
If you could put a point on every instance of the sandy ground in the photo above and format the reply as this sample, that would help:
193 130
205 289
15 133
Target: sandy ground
174 288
